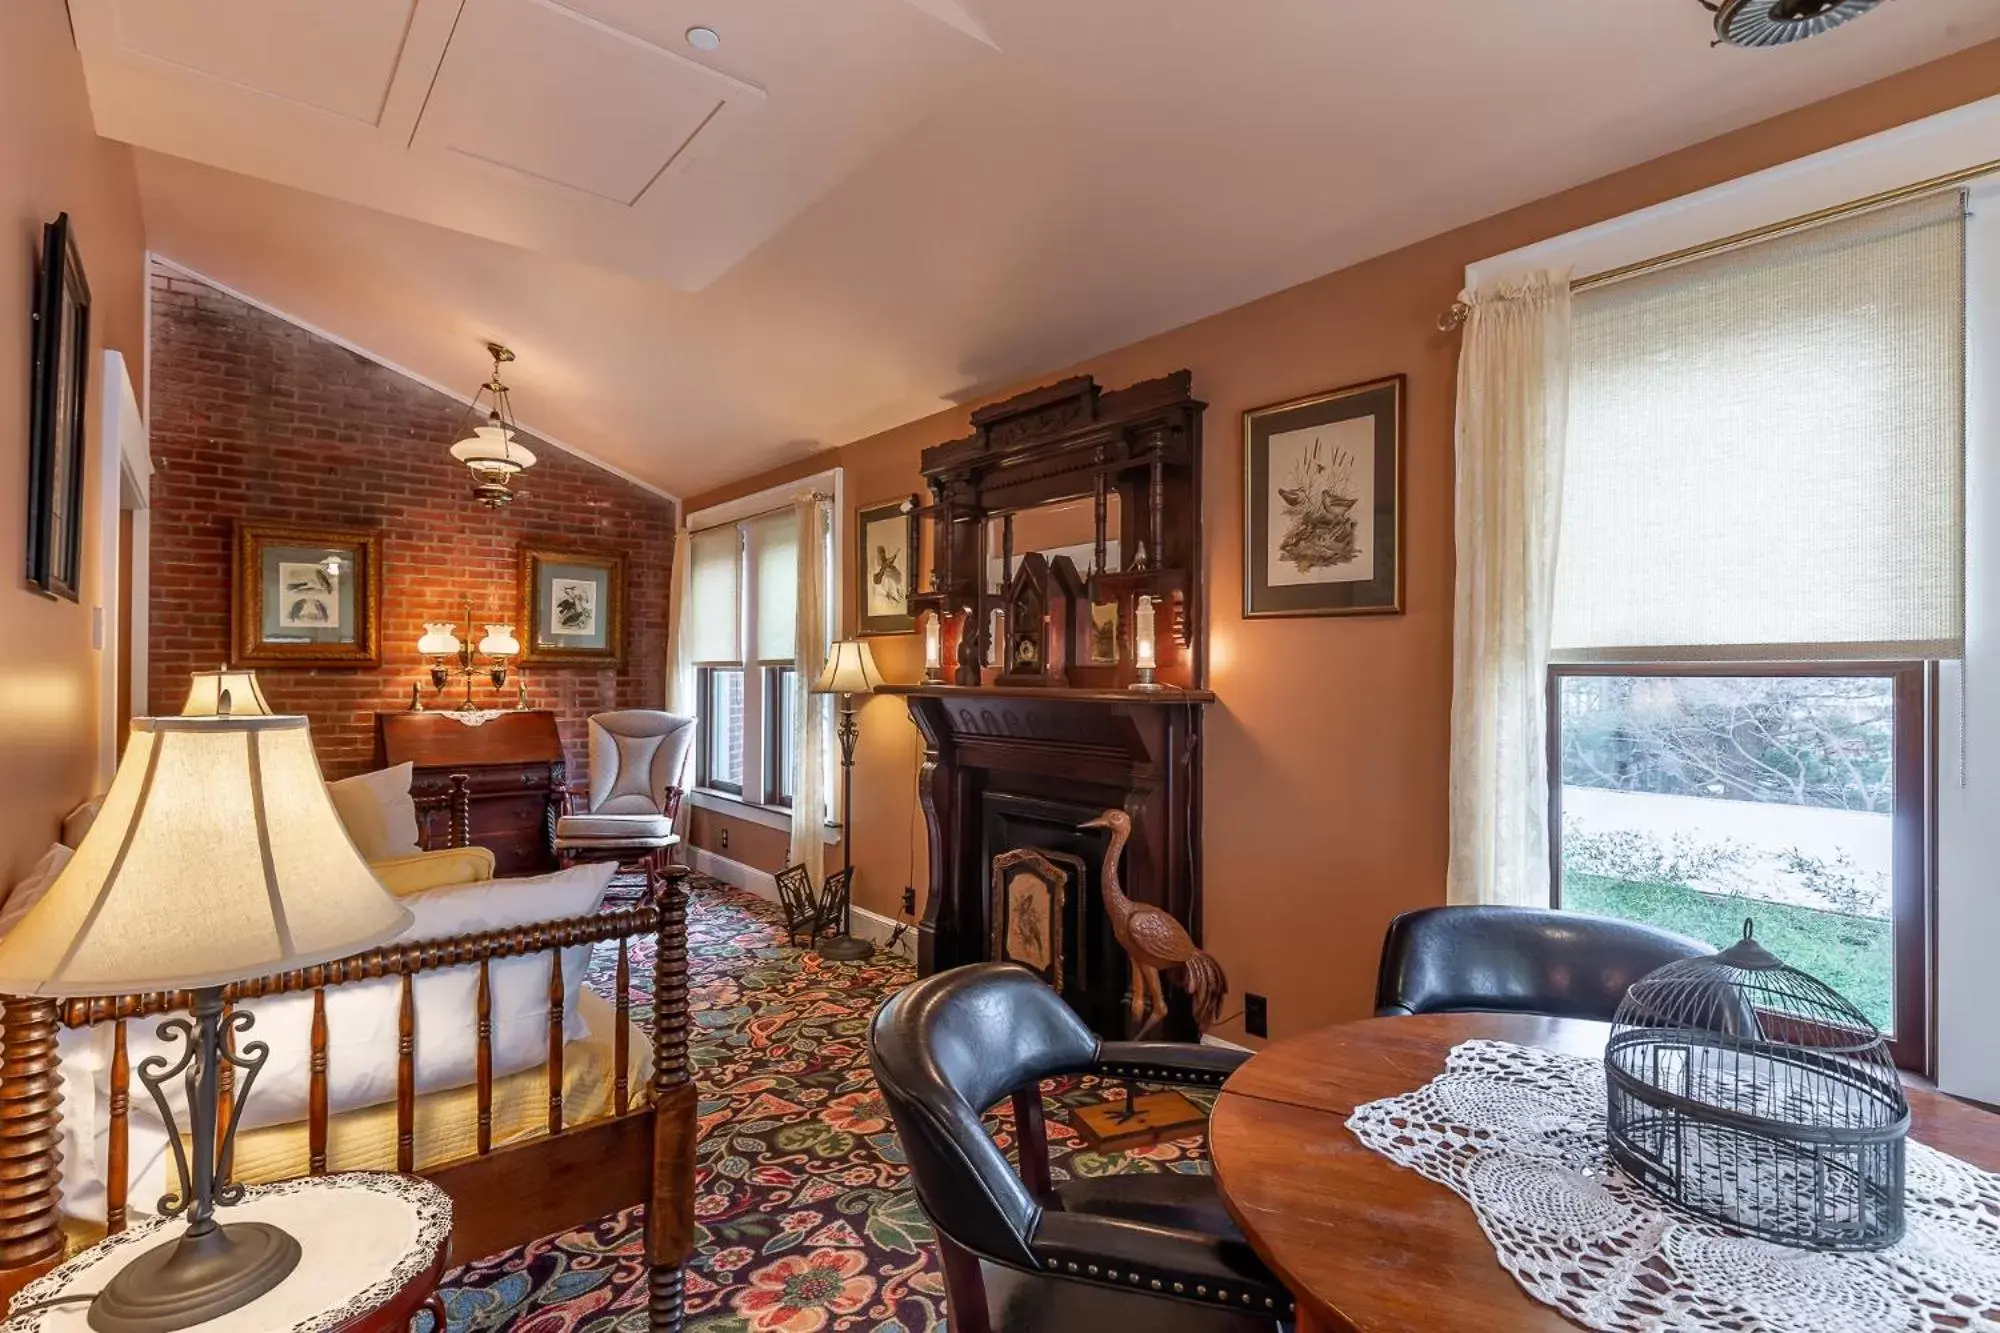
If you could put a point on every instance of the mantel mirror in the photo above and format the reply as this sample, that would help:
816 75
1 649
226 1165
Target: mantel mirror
1046 527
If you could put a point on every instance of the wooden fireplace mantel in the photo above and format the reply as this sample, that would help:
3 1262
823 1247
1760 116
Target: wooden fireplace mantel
1012 768
1169 695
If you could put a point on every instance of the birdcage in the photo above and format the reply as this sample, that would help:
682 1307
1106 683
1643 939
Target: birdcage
1751 1094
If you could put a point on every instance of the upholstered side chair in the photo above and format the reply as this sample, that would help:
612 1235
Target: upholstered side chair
1529 960
637 758
1153 1251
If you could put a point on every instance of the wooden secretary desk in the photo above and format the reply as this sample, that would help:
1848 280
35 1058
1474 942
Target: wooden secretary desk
513 762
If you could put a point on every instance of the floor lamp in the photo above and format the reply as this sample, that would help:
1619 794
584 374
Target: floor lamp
850 670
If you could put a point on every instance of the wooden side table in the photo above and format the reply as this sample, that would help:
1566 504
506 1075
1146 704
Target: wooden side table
374 1248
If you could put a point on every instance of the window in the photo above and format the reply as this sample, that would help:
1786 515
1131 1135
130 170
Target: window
743 597
1696 798
1761 561
781 704
721 729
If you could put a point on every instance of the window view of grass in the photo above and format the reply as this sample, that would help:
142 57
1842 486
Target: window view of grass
1693 803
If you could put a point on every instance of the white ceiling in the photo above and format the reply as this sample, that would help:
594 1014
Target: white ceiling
857 211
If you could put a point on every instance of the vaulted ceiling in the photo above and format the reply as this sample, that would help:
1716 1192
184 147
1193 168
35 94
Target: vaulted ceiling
852 212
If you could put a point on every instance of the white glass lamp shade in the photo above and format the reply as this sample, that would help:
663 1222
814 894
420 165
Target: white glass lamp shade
245 698
492 448
499 641
850 669
440 640
933 642
1145 647
217 857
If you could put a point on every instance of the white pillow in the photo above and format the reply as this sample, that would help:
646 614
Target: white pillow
377 810
362 1017
32 888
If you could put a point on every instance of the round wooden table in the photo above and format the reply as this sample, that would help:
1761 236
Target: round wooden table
1367 1246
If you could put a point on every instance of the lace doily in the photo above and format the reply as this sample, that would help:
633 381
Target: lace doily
477 717
1518 1132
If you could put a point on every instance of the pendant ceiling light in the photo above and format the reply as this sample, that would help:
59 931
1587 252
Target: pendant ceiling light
1778 22
493 451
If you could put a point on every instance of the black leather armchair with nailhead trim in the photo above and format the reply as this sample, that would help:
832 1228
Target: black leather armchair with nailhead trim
1533 960
1155 1250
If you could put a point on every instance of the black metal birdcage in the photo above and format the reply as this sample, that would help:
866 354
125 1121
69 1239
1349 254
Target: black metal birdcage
1751 1094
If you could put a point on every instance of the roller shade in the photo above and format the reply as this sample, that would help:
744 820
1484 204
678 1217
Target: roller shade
774 556
715 632
1766 451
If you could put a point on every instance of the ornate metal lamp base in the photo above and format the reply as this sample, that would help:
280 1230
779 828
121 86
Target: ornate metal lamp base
845 949
195 1279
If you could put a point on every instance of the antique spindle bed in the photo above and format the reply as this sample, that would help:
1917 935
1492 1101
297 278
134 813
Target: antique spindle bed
640 1152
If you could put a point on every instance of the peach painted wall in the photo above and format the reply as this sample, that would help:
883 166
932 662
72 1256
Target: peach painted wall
51 160
1328 749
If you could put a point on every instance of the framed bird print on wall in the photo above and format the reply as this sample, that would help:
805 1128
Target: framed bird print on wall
885 559
306 596
1323 504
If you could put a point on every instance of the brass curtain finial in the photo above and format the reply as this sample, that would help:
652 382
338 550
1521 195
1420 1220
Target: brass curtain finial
1454 319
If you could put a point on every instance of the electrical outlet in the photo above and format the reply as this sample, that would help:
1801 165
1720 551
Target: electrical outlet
725 837
909 900
1256 1016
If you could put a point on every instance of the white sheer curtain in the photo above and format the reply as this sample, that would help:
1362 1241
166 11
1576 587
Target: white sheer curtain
1513 404
680 662
809 649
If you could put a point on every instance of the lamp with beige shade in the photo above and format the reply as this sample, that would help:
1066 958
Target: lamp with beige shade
850 670
217 856
208 689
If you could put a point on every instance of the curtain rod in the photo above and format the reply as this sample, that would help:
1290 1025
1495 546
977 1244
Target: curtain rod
1455 317
823 496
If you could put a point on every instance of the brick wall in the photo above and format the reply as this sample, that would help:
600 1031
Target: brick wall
255 418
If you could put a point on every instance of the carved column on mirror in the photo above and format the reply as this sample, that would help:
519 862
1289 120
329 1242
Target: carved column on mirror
1097 557
1006 550
972 630
1157 495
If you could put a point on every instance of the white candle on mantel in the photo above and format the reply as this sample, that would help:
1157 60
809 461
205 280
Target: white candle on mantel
933 644
1144 655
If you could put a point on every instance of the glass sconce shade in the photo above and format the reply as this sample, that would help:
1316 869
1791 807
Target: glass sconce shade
439 640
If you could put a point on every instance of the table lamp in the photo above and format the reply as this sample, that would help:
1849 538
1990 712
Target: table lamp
207 688
850 670
217 857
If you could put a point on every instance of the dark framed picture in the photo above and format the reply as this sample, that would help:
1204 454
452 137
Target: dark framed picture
306 596
885 553
1323 504
573 607
55 416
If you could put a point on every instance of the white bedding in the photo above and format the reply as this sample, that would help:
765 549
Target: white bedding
362 1027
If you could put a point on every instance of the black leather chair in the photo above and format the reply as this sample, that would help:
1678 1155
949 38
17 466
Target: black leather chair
1518 960
1149 1251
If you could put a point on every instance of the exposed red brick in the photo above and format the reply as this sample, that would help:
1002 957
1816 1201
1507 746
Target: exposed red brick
255 418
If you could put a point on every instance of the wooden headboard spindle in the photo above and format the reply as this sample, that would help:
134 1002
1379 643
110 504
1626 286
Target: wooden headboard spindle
555 1041
118 1145
30 1128
316 1093
485 1069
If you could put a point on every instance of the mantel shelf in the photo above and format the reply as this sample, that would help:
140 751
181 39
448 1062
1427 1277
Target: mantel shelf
1171 694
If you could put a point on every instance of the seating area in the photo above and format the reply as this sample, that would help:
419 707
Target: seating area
945 666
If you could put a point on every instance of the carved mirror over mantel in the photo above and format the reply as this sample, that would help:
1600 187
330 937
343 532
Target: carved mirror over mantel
1104 487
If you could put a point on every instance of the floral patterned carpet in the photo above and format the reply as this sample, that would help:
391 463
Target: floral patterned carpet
804 1221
